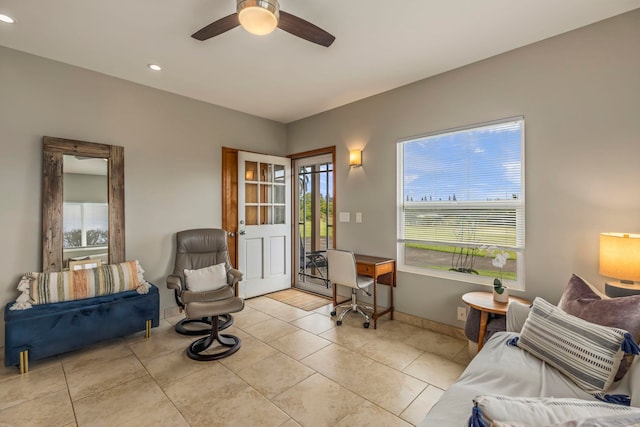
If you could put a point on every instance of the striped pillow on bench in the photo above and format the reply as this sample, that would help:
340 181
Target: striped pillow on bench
51 287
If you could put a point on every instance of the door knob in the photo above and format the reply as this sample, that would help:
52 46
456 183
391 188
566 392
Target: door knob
232 234
241 232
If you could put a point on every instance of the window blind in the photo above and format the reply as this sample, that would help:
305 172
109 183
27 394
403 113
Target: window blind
464 188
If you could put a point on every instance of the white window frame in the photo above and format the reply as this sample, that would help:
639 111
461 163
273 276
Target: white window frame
520 214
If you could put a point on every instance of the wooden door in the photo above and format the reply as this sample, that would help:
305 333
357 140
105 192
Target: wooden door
230 201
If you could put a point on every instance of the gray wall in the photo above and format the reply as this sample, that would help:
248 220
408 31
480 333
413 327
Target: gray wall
172 149
580 95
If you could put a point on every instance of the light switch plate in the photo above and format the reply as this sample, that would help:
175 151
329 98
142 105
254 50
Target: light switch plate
345 217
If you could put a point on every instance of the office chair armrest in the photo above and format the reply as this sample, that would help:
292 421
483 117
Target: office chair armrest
233 276
174 282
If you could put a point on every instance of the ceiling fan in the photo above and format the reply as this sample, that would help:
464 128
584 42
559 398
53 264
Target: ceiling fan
261 17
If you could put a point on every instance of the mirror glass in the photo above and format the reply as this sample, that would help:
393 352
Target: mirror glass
85 209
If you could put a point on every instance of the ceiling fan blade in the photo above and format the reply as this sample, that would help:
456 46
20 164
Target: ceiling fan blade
303 29
216 28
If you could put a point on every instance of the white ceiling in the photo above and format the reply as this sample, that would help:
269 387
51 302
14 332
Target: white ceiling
380 44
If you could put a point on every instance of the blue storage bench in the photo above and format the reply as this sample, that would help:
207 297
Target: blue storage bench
50 329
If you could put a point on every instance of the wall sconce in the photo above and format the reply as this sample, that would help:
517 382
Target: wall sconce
355 158
620 259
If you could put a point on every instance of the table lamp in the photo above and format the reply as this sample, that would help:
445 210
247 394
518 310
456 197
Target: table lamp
620 259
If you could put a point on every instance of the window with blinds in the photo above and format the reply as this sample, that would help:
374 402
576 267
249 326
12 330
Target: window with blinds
461 202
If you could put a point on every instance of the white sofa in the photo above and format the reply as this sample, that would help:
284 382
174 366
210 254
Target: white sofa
502 369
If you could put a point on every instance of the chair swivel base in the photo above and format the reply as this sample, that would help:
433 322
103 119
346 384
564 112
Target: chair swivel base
196 349
225 320
352 306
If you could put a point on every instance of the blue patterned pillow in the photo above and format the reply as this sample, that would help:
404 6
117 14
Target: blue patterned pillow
508 411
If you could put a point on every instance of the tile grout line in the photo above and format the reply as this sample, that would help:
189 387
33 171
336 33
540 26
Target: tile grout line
66 383
159 386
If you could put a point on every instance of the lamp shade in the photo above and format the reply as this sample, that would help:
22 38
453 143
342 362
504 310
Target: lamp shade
620 256
355 158
258 17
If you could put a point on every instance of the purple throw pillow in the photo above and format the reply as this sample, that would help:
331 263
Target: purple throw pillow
579 299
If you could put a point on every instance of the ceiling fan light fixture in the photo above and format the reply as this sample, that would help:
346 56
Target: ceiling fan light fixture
258 17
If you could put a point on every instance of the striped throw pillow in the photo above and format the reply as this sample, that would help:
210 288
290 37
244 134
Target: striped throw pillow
106 279
587 353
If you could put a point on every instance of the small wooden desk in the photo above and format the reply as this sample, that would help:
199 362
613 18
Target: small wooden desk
483 301
376 267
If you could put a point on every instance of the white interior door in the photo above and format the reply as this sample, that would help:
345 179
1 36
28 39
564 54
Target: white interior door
264 223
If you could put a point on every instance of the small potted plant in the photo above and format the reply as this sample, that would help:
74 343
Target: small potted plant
500 292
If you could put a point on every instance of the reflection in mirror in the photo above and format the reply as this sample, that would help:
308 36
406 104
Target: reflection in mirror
85 209
70 204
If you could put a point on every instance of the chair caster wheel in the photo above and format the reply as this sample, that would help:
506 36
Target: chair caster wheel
333 313
339 322
366 325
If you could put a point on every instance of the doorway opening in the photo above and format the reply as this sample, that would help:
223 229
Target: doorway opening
314 212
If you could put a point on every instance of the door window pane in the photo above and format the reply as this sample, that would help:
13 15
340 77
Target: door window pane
265 215
279 214
278 194
250 171
278 174
251 215
265 194
251 193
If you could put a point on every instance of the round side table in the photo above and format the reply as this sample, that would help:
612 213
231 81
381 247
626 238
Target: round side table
483 302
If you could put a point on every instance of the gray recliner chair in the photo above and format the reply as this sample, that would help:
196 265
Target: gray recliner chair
206 348
196 249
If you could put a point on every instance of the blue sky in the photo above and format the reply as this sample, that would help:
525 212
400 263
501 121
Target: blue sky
474 165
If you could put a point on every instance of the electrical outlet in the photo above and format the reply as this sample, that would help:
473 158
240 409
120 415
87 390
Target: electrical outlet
462 314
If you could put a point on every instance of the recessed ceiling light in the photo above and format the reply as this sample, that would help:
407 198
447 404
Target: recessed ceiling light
155 67
7 19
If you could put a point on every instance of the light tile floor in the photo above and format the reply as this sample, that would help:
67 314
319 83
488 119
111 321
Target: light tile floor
295 368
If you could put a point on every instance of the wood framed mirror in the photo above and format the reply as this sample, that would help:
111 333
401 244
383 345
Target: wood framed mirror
53 234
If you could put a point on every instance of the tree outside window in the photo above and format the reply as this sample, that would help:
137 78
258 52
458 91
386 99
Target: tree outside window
85 225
